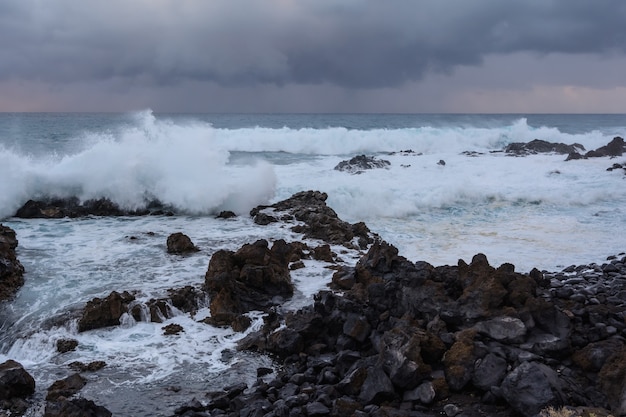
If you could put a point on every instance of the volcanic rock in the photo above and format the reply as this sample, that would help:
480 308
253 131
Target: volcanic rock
180 243
318 220
360 163
11 270
253 278
66 345
541 146
77 407
65 387
105 312
616 147
56 208
15 382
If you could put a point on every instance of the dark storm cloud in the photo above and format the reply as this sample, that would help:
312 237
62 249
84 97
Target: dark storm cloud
349 43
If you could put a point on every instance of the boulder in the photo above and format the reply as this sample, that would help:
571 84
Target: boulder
65 387
531 387
180 243
253 278
78 407
15 382
11 270
104 312
360 163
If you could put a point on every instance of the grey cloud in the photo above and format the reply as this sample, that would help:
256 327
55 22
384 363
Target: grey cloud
353 44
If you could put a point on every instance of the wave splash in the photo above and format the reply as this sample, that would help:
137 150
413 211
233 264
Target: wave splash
178 164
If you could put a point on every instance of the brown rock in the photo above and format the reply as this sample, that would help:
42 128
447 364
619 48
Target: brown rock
11 270
105 312
179 243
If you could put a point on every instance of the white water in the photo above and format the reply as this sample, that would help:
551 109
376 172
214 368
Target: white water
535 211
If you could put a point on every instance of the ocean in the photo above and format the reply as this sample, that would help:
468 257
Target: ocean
536 211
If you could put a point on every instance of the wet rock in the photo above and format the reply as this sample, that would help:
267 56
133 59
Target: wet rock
172 329
360 163
105 312
56 208
65 387
78 407
66 345
616 147
11 270
541 146
226 214
318 220
87 367
180 243
15 382
253 278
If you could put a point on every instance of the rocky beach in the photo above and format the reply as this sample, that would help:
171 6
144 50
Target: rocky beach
389 337
160 296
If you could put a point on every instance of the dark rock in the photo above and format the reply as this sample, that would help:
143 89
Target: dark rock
15 382
489 371
180 243
66 345
105 312
316 408
253 278
319 220
441 162
226 214
507 329
65 387
531 387
55 208
360 163
78 407
89 367
612 381
172 329
616 147
459 360
541 146
11 270
323 253
377 387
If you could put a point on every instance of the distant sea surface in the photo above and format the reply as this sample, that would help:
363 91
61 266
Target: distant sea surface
533 211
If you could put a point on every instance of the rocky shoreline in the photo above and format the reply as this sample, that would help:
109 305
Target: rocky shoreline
390 337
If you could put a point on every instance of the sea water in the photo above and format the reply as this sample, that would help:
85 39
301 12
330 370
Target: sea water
534 211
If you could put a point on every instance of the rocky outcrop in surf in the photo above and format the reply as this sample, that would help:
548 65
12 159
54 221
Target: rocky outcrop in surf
255 277
361 163
408 338
61 400
617 147
11 270
318 220
541 146
57 208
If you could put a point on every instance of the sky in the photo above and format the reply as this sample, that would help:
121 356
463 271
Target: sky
395 56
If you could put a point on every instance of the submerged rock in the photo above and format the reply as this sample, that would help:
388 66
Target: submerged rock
11 270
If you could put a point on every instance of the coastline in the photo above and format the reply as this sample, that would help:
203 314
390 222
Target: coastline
412 338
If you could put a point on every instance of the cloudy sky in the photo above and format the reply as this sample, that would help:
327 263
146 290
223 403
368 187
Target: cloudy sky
313 55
